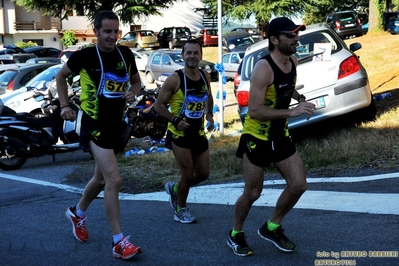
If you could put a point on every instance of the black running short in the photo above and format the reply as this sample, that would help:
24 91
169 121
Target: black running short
105 137
262 153
197 144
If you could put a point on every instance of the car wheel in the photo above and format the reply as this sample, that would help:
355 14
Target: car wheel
171 46
149 77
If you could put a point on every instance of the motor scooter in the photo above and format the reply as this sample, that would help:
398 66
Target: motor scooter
141 120
23 136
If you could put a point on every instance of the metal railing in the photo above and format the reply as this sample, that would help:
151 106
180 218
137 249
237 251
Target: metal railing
36 25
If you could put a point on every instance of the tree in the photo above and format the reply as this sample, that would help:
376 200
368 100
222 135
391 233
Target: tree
262 10
24 45
127 10
311 11
69 38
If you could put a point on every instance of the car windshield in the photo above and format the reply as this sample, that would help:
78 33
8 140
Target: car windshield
147 33
316 42
308 46
177 58
45 75
242 41
347 16
182 30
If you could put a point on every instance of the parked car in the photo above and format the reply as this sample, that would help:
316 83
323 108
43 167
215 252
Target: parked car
392 22
141 57
21 100
11 49
236 41
254 32
230 62
336 83
41 60
66 53
4 67
345 23
139 39
237 79
167 61
208 37
171 37
365 26
41 51
16 58
386 17
13 79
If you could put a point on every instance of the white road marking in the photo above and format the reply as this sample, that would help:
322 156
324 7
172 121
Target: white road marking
227 194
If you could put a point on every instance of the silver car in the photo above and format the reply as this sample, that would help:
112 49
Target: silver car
230 62
329 74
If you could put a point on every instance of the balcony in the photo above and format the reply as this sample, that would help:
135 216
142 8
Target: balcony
53 24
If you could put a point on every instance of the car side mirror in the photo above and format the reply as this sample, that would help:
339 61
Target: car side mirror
168 63
355 46
235 61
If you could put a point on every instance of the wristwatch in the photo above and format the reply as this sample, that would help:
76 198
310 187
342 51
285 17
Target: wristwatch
301 96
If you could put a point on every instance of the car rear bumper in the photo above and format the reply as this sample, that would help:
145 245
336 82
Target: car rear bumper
150 45
349 32
338 100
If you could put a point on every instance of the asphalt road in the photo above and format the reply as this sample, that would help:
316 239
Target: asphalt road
336 221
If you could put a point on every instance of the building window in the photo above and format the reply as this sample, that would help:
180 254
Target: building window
37 41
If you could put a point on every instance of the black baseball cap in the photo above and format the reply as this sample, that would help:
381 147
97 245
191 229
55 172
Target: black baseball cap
282 25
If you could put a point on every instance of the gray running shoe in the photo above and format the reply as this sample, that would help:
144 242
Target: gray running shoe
172 195
184 216
239 245
277 237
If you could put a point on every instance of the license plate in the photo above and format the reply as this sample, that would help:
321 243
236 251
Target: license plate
183 39
319 102
350 25
151 45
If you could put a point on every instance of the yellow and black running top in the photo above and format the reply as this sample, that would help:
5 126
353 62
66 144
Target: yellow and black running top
278 96
104 78
189 103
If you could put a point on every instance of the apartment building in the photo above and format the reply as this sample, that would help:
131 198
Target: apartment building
18 24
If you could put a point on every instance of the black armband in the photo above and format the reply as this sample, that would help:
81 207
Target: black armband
176 121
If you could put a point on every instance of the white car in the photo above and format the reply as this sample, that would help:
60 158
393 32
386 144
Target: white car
141 57
329 74
21 100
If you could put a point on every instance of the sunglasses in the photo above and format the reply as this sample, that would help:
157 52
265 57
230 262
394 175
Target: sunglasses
290 35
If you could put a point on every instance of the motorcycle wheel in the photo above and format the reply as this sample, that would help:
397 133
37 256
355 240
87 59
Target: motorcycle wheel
11 163
127 134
